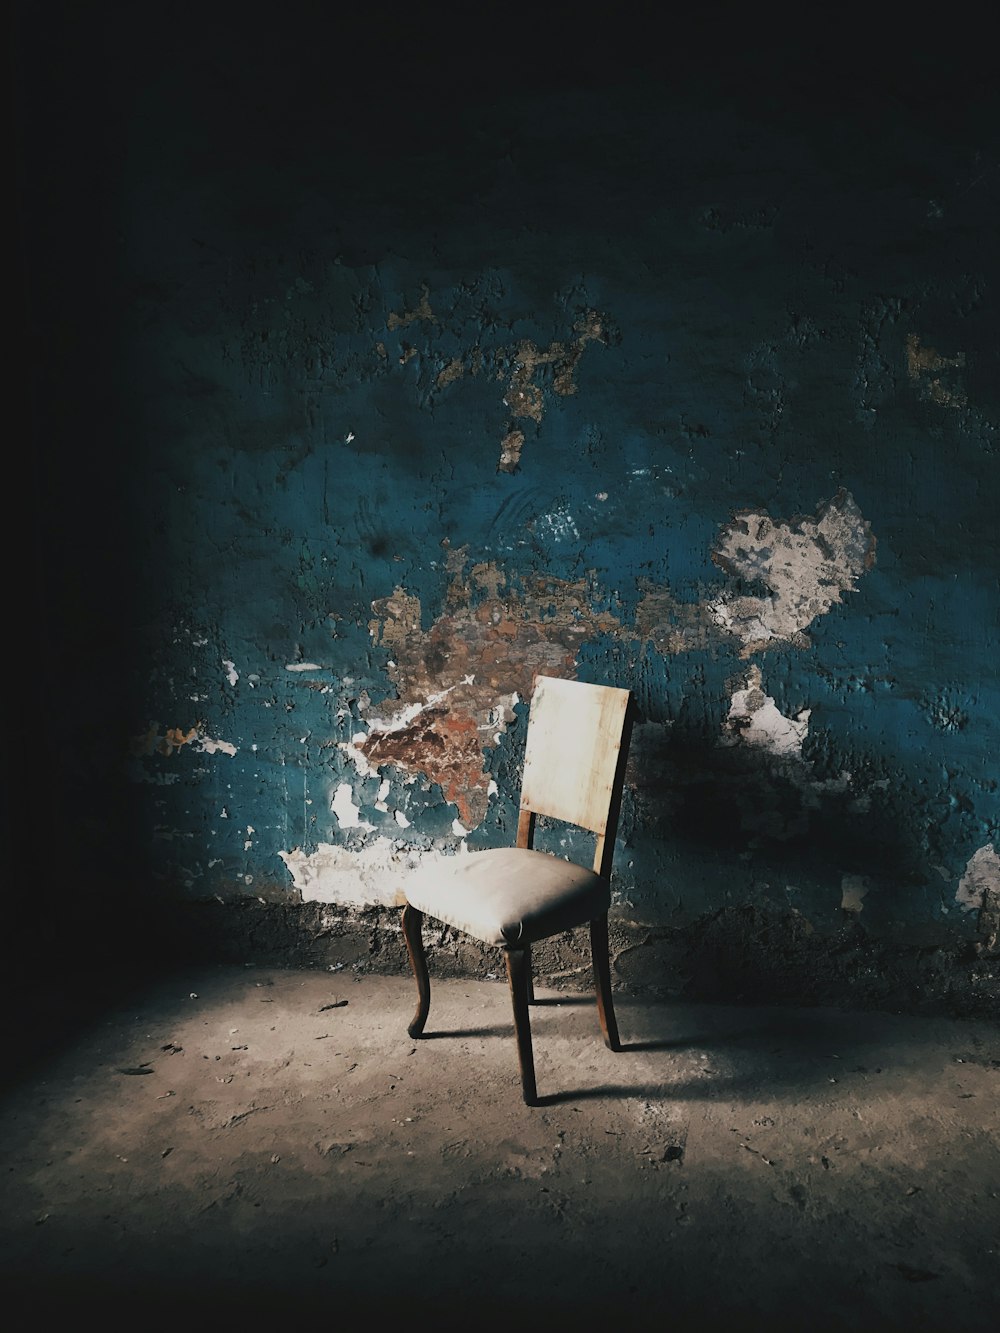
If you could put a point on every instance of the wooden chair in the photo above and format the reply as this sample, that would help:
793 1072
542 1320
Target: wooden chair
574 768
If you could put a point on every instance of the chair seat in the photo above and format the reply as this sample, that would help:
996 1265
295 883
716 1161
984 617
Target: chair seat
509 895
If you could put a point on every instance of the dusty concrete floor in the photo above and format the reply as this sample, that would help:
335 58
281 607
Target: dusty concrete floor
251 1144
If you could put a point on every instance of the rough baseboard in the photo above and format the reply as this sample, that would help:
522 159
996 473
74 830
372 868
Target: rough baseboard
741 954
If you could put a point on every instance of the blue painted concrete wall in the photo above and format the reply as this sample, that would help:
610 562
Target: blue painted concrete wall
375 374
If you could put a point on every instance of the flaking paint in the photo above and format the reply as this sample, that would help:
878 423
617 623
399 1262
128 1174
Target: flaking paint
393 430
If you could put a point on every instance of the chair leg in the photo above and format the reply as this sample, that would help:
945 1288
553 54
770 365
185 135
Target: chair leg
531 975
602 981
412 921
519 977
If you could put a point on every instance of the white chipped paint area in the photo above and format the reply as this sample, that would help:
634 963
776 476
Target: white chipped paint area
808 565
981 882
374 875
394 722
755 719
206 745
559 526
348 814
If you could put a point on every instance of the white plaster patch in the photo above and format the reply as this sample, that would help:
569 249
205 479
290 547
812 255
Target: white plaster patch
303 666
231 673
561 525
853 889
205 745
981 880
395 722
808 564
375 875
459 829
754 719
348 814
401 819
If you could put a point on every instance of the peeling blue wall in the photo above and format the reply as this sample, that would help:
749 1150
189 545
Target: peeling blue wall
365 365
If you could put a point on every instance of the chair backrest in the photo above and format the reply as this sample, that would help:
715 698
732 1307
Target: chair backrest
575 752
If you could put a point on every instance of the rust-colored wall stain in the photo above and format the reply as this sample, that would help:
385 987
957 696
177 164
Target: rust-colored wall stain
497 632
510 451
486 648
454 370
924 366
524 397
520 368
422 312
442 744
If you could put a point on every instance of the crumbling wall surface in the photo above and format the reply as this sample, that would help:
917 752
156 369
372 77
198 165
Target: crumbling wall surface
681 387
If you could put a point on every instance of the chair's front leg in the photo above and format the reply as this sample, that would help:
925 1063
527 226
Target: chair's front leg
602 982
412 922
519 977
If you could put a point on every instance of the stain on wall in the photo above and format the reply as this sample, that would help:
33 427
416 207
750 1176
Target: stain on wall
930 373
684 388
807 565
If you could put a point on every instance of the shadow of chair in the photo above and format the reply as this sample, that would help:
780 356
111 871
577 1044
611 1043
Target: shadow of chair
512 897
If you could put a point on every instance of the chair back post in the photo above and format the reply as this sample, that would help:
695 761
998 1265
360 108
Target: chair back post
525 829
604 851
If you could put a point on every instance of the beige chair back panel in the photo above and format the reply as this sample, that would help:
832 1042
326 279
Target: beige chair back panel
571 753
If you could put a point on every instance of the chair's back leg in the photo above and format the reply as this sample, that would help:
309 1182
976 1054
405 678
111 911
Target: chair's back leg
602 982
519 977
412 922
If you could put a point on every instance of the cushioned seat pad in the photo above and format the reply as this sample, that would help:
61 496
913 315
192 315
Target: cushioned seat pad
509 895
